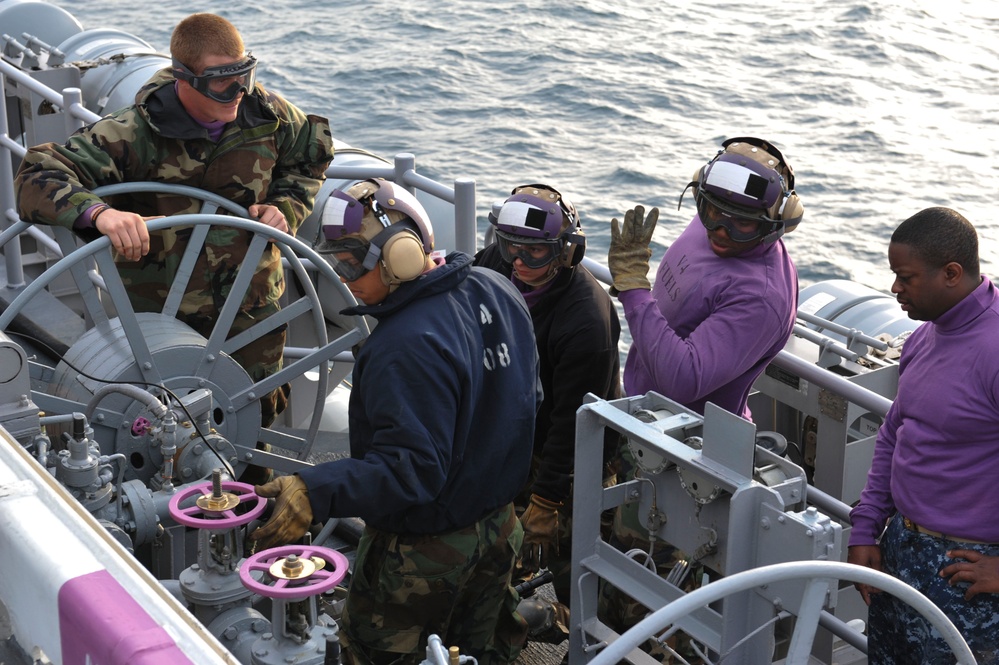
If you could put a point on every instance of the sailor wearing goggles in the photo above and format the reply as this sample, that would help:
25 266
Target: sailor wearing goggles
537 234
726 289
539 247
743 202
200 122
721 306
375 224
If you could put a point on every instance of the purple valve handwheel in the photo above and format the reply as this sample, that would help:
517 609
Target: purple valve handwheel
223 504
293 572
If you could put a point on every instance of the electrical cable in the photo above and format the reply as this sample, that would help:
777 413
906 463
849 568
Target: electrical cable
57 355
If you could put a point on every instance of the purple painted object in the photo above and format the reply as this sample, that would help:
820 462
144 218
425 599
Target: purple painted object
141 426
100 623
321 580
194 517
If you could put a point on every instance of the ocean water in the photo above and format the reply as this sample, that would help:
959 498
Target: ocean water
882 107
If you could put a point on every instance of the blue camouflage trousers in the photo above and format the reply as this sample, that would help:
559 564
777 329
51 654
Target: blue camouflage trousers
455 585
898 634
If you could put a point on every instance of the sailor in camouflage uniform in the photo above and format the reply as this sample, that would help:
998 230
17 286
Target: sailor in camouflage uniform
203 123
441 416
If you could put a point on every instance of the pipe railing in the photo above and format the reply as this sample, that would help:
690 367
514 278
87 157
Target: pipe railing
851 334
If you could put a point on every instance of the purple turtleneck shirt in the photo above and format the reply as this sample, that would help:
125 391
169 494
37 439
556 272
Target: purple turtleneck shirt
936 459
710 325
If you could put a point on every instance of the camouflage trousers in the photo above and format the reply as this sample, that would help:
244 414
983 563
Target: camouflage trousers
618 610
455 585
900 635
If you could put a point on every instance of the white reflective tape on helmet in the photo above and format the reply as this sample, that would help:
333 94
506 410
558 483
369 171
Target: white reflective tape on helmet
334 212
730 177
516 214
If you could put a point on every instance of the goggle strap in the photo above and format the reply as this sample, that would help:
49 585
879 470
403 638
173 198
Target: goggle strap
577 239
374 254
245 68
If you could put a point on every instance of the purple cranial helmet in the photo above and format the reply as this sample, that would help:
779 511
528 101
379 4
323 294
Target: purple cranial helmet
748 180
538 225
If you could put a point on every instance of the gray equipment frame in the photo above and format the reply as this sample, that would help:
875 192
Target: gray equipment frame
753 524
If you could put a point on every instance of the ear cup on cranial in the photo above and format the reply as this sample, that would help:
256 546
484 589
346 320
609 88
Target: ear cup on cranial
574 250
403 256
792 210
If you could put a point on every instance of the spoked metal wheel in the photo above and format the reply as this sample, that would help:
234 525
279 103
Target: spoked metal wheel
819 575
156 350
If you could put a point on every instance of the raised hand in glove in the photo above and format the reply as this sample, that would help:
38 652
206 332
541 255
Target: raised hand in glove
540 522
629 253
292 512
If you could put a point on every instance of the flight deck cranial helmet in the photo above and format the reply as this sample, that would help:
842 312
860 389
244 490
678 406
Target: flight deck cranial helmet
539 226
376 223
749 189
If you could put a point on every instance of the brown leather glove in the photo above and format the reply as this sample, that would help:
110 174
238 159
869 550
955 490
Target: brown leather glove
540 522
629 253
292 512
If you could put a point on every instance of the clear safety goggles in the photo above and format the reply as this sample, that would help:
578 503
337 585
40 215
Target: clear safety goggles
740 226
222 83
347 257
534 252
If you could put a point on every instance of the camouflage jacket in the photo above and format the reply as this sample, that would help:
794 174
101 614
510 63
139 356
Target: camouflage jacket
273 153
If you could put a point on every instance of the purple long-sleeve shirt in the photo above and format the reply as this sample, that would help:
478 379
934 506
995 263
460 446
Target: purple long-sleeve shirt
710 325
936 458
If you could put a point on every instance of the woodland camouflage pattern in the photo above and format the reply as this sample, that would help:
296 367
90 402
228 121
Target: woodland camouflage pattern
273 153
404 588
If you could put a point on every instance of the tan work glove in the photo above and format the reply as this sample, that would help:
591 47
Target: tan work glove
540 522
292 512
629 253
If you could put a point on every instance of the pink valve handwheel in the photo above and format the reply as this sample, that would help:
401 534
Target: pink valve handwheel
193 516
320 580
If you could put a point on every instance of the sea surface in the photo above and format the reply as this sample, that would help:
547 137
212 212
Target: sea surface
882 107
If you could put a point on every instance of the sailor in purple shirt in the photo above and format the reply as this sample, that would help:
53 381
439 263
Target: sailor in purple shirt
726 293
722 306
936 458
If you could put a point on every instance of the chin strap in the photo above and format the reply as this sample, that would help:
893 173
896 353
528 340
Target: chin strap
553 269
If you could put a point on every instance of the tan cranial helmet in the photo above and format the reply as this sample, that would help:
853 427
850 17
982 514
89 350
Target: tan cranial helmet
376 222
